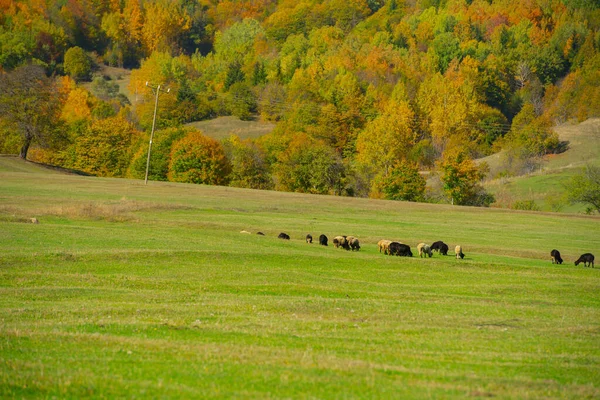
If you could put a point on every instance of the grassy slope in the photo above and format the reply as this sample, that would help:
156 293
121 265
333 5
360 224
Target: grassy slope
128 290
584 147
223 127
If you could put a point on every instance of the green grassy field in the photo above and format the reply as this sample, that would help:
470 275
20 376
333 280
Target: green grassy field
126 290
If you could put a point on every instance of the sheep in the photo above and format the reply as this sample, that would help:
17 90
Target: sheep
284 236
441 247
354 244
245 232
384 245
399 249
341 241
34 221
260 233
323 240
555 254
424 249
309 238
587 259
459 253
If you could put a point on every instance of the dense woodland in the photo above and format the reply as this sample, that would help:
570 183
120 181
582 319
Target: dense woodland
368 96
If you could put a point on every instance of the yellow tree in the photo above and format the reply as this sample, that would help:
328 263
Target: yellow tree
164 21
387 139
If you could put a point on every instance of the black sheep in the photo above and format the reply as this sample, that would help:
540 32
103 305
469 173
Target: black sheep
323 240
587 259
555 254
284 236
309 238
441 247
399 249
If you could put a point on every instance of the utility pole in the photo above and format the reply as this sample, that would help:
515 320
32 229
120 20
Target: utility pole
157 89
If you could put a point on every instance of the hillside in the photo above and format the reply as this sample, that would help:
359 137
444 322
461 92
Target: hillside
222 127
545 185
132 290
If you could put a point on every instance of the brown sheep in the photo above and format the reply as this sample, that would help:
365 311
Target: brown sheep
384 245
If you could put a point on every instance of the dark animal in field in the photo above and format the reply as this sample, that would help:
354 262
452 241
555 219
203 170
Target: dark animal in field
341 241
555 254
284 236
309 238
399 249
587 259
323 240
260 233
441 247
354 244
459 252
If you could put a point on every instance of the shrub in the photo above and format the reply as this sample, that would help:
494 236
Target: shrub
528 205
196 158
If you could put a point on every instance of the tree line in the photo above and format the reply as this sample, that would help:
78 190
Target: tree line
364 93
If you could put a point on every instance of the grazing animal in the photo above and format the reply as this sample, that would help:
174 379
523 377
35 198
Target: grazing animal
459 253
284 236
341 241
441 247
555 254
399 249
587 259
384 245
34 221
260 233
323 240
424 249
354 244
309 238
246 232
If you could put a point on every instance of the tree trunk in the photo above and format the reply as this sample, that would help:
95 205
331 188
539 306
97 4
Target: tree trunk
25 149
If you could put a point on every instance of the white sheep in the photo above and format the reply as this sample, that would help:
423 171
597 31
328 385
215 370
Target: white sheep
459 252
424 249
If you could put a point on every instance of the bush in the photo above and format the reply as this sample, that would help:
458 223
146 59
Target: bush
528 205
196 158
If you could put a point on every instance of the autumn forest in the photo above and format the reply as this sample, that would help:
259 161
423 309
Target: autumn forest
368 98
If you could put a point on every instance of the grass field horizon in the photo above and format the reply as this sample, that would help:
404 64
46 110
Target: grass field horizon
128 290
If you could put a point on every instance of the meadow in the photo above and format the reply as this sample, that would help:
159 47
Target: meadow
127 290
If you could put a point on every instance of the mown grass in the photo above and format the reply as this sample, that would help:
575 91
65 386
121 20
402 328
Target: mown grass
223 127
126 290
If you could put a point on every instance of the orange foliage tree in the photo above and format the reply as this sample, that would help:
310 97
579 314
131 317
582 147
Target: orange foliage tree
196 158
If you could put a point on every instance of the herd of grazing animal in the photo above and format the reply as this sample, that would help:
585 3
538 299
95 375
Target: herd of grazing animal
392 248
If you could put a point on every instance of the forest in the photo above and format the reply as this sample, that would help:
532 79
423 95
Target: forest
369 98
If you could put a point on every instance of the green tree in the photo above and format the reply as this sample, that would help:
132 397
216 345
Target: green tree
461 176
160 156
78 64
309 166
585 187
248 166
403 183
30 106
242 101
